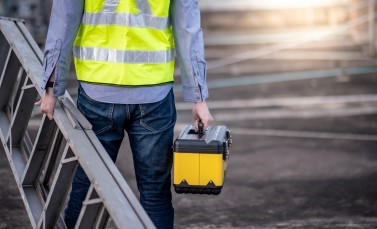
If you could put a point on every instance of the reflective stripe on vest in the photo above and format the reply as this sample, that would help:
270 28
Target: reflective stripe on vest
131 20
122 56
124 48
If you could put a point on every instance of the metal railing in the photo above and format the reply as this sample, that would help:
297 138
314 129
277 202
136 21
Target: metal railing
43 162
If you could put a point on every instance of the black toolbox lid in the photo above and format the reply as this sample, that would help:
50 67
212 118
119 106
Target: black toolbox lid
212 141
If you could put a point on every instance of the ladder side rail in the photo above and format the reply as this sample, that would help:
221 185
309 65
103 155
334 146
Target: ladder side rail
30 40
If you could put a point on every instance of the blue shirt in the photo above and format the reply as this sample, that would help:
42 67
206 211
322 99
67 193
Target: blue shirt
188 37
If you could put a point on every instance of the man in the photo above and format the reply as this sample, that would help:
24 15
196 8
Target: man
124 58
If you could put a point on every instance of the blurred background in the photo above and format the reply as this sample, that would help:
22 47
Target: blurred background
296 83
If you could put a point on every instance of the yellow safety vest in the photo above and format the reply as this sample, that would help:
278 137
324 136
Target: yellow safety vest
125 42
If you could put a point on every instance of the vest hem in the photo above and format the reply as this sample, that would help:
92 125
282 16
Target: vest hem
125 85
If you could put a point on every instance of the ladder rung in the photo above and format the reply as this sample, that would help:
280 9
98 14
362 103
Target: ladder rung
59 190
93 213
23 112
39 151
4 126
53 160
33 204
16 92
18 162
9 77
4 53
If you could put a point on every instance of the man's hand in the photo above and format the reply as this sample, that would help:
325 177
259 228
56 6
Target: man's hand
200 112
47 103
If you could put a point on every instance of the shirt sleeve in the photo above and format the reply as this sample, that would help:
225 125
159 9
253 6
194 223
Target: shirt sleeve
64 23
189 46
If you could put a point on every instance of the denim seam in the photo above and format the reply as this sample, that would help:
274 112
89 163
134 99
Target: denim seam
108 127
128 112
162 128
141 121
109 115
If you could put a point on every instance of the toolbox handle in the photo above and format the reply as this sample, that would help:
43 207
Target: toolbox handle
200 127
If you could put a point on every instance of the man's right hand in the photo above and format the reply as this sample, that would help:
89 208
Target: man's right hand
47 103
201 113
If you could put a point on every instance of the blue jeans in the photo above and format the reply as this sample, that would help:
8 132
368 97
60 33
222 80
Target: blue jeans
150 129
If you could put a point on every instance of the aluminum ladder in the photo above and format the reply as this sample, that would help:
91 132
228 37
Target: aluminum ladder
43 159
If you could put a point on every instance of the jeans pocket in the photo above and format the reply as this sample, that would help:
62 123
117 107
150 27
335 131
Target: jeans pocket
99 114
158 116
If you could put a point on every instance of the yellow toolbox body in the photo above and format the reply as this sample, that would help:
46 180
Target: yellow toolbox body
200 160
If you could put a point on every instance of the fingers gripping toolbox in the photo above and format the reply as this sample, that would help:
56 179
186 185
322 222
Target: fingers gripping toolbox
200 159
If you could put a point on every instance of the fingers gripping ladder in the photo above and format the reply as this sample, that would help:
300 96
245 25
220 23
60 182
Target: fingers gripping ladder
44 154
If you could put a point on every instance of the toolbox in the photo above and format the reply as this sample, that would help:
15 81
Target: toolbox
200 159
